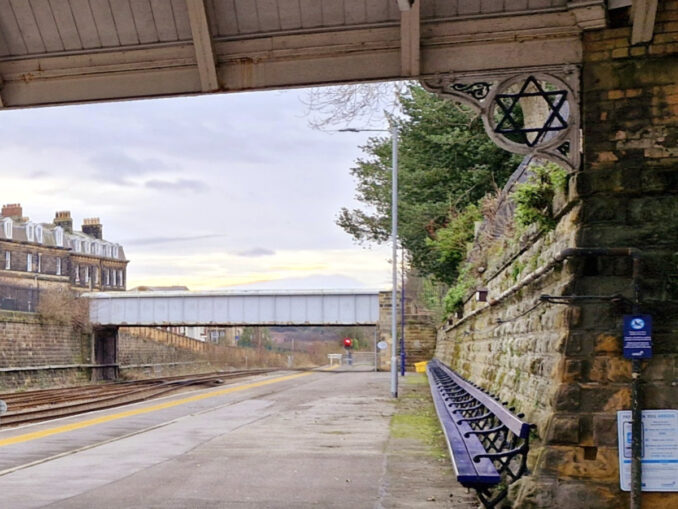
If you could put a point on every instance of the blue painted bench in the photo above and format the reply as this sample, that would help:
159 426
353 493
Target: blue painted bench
488 443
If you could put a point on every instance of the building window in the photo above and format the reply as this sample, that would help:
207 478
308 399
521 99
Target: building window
58 266
114 274
87 274
115 251
108 250
38 234
108 277
77 273
8 260
39 264
96 275
120 283
30 232
29 262
59 236
8 227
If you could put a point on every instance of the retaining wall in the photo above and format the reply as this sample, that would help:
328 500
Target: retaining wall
561 364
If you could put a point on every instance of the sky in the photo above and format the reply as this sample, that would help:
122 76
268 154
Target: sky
218 191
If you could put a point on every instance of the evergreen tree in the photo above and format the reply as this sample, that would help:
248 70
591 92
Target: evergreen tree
446 163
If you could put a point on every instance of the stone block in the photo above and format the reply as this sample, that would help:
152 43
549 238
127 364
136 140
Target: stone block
587 495
567 398
607 343
563 429
618 369
605 430
598 372
574 371
661 368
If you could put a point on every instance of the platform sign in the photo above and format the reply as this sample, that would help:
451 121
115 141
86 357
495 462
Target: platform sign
637 336
659 458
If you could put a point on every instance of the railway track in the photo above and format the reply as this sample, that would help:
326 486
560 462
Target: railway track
35 406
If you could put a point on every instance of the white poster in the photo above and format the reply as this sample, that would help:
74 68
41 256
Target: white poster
660 450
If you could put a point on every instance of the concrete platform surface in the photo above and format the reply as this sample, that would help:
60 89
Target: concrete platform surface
318 440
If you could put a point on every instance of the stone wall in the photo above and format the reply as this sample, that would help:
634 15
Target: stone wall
142 357
420 334
26 341
561 364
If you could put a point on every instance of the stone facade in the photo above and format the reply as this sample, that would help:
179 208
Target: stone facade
44 255
561 364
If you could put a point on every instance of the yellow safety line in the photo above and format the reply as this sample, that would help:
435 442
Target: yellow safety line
140 411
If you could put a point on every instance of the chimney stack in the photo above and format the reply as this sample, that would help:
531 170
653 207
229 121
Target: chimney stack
13 210
92 227
63 219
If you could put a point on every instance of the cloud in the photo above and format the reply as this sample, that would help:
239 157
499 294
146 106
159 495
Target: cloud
39 175
195 186
116 167
169 240
255 252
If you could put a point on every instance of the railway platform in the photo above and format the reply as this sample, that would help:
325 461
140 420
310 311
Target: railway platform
280 439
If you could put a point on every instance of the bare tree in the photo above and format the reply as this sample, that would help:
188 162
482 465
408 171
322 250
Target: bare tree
363 104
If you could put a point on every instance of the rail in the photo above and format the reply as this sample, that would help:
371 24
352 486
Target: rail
488 443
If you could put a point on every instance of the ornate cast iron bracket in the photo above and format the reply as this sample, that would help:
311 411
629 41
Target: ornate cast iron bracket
534 113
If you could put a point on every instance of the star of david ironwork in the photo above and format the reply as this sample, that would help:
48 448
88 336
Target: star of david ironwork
510 124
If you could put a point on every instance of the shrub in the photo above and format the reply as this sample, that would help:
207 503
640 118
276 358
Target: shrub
64 306
534 198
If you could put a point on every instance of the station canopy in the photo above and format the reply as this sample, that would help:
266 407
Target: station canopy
72 51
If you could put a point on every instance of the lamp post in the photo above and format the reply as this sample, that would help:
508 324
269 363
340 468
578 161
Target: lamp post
394 239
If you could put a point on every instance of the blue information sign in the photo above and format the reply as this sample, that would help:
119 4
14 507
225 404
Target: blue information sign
637 336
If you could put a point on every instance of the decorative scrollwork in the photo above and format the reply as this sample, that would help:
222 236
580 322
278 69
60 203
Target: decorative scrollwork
564 149
536 113
478 90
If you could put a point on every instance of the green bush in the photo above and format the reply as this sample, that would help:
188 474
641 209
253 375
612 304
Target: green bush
456 295
534 198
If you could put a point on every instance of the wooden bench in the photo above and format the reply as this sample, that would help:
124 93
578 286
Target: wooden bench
488 443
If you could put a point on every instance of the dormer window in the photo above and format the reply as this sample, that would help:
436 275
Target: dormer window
8 227
76 245
59 236
39 237
108 250
30 232
85 247
115 251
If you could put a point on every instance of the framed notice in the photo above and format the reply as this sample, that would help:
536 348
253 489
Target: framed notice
659 457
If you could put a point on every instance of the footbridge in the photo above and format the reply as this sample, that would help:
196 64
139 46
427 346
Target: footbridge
111 311
234 308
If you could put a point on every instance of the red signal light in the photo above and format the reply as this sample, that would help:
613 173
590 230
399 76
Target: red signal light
348 342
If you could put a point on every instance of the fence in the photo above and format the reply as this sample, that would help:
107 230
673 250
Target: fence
169 338
19 298
229 355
